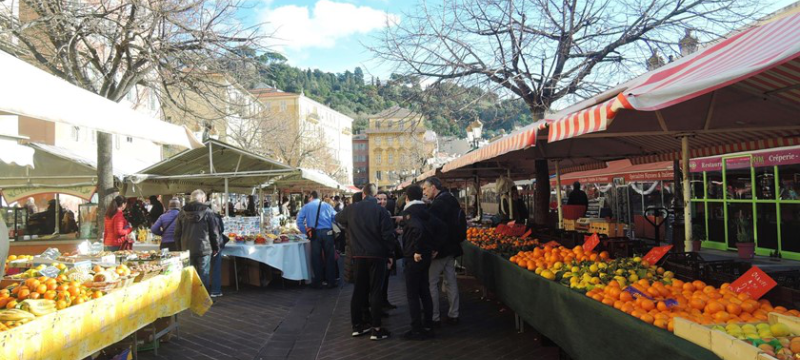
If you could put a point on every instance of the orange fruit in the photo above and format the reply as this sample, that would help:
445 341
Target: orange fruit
4 301
50 295
734 309
647 318
625 296
23 294
11 304
671 325
34 295
97 294
698 285
61 304
697 303
62 287
662 306
608 301
721 316
713 307
618 305
661 323
648 305
41 289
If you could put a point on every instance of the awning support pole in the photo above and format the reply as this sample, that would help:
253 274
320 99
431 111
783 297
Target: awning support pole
210 159
260 207
687 195
225 198
558 196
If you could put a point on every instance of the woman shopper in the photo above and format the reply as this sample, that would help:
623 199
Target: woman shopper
165 226
116 226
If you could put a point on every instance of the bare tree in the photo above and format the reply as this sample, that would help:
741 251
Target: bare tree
113 47
543 51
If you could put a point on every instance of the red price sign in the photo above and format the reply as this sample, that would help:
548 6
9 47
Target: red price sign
502 229
511 223
656 253
526 234
590 242
755 282
552 244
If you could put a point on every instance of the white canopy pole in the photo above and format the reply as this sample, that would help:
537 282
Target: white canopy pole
558 196
687 195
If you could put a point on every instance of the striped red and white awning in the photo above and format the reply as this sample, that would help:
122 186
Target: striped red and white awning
714 150
762 59
589 120
518 140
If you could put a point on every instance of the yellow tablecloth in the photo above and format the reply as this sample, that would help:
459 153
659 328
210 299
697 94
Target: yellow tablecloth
81 330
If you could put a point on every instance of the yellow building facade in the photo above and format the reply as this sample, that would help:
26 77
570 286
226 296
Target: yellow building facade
399 146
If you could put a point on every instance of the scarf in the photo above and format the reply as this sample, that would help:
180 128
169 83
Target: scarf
413 202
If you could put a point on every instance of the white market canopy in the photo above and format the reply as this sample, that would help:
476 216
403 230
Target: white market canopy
305 180
31 92
207 168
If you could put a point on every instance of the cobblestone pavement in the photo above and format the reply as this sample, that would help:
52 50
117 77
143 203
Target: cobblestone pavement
296 322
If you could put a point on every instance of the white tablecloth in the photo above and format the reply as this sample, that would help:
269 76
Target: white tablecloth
290 258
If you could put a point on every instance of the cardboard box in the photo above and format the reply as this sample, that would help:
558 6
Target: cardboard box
254 273
227 272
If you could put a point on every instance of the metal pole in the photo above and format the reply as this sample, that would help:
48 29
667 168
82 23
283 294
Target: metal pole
260 207
225 198
558 196
57 216
687 194
210 159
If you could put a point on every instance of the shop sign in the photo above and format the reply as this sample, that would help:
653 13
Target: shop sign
15 194
759 159
649 176
755 282
590 242
655 254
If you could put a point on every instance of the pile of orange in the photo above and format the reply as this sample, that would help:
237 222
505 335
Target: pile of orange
696 301
65 293
489 239
549 257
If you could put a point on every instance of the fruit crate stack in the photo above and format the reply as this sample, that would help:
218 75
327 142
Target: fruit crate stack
722 271
686 266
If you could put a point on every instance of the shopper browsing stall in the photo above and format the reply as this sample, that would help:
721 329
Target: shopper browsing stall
197 232
164 226
316 220
116 227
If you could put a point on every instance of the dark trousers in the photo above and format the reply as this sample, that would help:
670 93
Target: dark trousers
369 276
323 242
418 290
202 264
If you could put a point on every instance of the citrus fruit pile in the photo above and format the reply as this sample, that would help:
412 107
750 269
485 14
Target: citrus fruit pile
489 239
66 293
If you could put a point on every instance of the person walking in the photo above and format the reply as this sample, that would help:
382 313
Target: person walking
446 208
316 220
577 196
116 226
164 226
371 233
383 201
196 231
418 243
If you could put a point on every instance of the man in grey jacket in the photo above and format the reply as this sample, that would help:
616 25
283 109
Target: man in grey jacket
196 231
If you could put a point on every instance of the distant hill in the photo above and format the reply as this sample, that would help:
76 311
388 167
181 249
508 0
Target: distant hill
447 107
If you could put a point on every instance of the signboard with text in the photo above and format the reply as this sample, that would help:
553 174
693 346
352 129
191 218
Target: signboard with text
759 159
755 282
590 242
655 254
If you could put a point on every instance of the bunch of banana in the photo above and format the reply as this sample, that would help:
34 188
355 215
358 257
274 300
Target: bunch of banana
15 315
38 307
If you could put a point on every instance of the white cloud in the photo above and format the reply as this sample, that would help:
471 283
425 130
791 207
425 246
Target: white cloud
299 27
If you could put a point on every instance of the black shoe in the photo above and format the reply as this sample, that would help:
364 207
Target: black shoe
389 306
332 286
428 333
359 330
451 321
436 324
413 335
381 334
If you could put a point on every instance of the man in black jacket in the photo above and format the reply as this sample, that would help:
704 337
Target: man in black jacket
196 230
371 234
445 207
418 243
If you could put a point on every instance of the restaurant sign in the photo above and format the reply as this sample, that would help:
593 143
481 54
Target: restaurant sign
15 194
759 159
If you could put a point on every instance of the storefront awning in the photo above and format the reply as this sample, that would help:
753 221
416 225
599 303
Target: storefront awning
621 169
518 140
29 91
761 61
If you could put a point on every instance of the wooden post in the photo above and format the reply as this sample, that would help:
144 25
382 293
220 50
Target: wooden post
558 196
687 194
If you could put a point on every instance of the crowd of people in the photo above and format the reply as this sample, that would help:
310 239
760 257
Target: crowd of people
423 229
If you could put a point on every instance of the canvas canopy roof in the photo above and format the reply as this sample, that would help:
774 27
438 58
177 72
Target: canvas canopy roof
206 168
305 180
621 169
30 92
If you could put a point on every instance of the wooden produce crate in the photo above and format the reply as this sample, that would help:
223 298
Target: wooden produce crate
610 229
686 266
728 347
569 224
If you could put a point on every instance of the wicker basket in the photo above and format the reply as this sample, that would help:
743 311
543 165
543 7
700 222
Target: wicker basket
127 280
103 286
144 276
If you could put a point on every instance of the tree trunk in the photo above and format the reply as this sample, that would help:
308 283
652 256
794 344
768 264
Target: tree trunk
105 178
541 206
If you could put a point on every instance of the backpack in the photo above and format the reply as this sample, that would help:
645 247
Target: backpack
460 228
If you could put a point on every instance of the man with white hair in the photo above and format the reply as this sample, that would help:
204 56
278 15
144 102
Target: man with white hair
196 230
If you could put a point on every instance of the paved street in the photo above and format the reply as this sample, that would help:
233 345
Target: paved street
300 323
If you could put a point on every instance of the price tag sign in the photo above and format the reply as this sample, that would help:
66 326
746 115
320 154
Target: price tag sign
755 282
50 271
526 234
655 254
590 242
502 229
511 223
552 244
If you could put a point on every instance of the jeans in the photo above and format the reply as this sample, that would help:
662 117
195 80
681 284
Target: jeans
202 264
418 290
323 243
369 275
216 274
448 266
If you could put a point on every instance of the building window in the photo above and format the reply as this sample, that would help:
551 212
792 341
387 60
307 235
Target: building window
378 159
378 175
76 133
391 158
401 124
283 106
129 139
377 124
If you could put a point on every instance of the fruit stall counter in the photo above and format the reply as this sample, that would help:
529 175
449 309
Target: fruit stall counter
290 257
81 330
584 328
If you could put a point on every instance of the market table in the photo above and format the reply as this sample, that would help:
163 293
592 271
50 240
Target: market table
582 327
291 258
79 331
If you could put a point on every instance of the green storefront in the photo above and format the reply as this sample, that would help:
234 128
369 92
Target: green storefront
760 187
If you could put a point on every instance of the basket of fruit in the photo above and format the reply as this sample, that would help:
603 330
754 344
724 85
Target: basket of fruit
145 271
105 281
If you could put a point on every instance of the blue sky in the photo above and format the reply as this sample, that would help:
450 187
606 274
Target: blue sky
328 34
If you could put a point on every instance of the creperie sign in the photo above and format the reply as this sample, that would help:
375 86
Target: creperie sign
759 159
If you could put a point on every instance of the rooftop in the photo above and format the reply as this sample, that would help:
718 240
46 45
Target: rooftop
394 112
